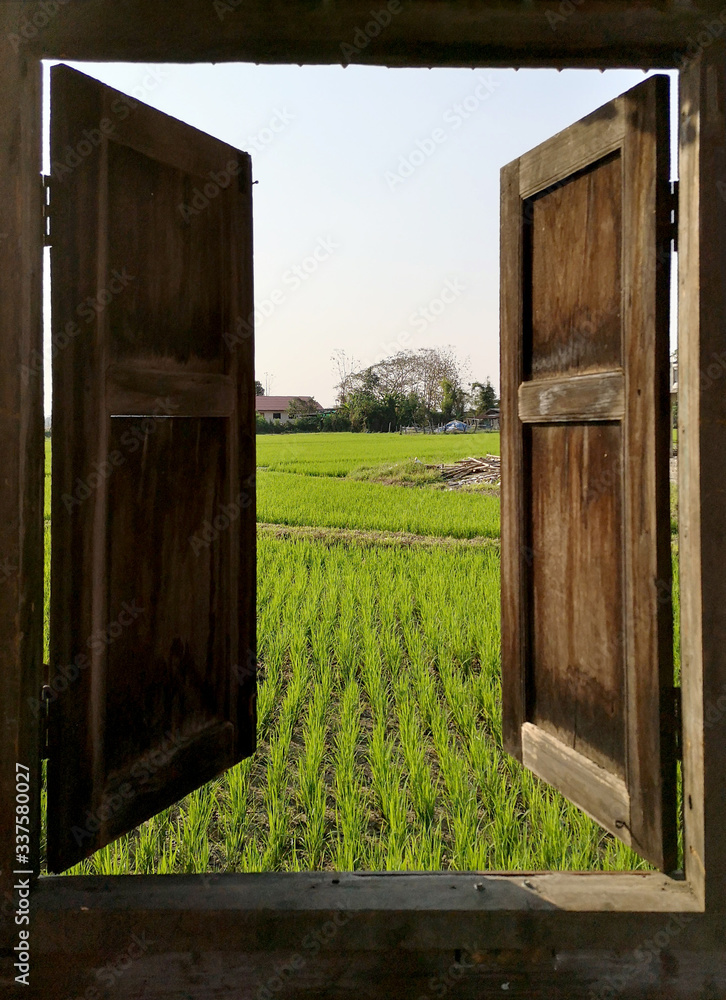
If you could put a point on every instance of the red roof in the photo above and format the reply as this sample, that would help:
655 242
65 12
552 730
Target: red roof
265 404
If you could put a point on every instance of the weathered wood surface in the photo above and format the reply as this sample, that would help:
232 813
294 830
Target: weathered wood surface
380 935
153 577
600 793
587 633
577 398
21 460
702 467
596 33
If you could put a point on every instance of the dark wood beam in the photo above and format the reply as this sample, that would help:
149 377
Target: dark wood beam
702 467
587 33
21 459
379 935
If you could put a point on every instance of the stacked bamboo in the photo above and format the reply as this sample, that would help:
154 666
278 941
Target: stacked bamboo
470 471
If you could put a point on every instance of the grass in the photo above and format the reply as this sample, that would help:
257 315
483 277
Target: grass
339 454
287 498
379 702
379 732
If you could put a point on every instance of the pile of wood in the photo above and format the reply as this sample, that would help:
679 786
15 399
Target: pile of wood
470 471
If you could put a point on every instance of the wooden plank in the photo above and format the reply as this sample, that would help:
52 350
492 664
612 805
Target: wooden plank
516 551
590 326
575 148
600 33
148 460
134 391
594 789
576 687
646 538
702 468
578 398
21 461
575 235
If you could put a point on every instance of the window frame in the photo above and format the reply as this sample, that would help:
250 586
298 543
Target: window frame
77 916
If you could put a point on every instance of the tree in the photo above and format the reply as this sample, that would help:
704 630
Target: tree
402 375
453 400
300 407
259 388
486 398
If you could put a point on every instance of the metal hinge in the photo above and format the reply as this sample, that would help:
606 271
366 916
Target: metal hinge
45 182
674 214
676 716
45 702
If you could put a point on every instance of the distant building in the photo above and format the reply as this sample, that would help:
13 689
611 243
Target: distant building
274 408
489 421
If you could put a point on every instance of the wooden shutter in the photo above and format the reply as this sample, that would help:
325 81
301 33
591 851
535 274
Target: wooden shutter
586 572
153 501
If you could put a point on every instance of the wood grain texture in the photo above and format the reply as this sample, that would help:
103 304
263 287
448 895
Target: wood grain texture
552 934
153 512
575 230
133 391
586 338
702 468
21 460
577 680
599 793
646 536
577 398
516 551
599 33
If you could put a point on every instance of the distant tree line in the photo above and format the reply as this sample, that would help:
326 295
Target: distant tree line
409 388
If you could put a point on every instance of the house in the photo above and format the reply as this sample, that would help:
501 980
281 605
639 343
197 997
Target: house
275 408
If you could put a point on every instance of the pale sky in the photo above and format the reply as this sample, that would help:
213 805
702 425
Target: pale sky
392 175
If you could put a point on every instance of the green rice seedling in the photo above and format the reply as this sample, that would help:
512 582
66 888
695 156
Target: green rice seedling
421 787
286 498
350 814
339 454
196 812
233 813
310 784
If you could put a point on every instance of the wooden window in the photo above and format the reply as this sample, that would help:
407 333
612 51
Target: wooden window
546 933
153 541
586 571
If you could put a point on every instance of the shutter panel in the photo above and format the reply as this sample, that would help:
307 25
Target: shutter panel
153 502
586 571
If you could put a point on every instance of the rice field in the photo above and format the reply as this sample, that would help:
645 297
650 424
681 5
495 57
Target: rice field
379 736
340 454
322 501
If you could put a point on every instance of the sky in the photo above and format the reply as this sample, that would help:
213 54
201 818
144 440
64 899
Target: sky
376 212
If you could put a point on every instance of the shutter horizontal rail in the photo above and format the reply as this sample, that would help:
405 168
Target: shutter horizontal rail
597 792
574 398
132 392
